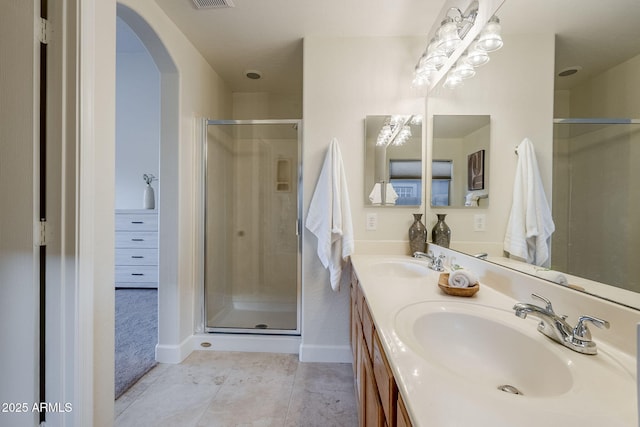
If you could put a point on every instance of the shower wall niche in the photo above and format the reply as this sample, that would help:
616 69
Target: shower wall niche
252 241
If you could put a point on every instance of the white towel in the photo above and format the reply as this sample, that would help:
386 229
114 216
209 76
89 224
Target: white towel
376 194
390 195
329 217
530 222
462 278
552 275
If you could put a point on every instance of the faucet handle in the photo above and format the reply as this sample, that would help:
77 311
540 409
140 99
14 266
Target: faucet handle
548 307
582 333
438 263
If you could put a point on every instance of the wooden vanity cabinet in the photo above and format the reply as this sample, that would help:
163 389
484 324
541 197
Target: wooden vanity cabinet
376 390
402 414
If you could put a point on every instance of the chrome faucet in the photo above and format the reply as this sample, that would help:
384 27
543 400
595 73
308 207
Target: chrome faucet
436 262
555 327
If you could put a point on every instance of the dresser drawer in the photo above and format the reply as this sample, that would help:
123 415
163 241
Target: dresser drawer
136 256
136 222
136 274
136 239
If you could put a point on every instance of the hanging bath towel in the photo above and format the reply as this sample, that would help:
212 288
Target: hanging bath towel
530 223
329 217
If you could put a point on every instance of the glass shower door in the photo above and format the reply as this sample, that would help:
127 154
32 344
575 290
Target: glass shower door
252 243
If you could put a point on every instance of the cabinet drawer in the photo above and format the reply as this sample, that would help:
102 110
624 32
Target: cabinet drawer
137 222
136 274
384 379
137 257
136 239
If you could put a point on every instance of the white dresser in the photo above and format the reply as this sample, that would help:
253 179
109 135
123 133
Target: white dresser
136 248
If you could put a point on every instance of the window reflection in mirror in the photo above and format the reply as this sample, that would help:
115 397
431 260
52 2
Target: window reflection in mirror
393 160
460 165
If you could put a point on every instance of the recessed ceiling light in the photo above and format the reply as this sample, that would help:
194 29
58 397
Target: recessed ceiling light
253 74
569 71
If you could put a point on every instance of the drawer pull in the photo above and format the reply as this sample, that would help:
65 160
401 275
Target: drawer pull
137 256
137 274
137 222
137 240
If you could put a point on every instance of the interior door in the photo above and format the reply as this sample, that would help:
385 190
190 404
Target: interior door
19 253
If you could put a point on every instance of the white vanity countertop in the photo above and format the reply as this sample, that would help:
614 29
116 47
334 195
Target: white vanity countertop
435 397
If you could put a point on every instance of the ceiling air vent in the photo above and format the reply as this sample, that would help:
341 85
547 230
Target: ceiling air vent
213 4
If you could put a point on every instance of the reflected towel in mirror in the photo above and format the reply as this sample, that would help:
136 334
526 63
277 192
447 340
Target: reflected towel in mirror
530 223
390 196
376 194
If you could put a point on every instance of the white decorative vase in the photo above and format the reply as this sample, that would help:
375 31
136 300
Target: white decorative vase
149 198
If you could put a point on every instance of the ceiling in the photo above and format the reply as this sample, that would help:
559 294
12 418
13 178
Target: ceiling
593 34
266 35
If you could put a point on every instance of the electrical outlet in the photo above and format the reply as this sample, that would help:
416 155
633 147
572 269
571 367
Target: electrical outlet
479 222
372 221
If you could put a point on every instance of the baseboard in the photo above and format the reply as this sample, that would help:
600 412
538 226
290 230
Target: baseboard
174 353
254 343
326 353
245 342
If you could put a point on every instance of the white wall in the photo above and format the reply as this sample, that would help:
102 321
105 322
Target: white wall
19 284
346 79
516 89
137 122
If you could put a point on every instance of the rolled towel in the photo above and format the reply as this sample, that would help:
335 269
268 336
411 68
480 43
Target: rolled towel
552 275
462 279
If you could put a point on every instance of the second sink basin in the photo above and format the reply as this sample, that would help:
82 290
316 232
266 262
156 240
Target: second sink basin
477 344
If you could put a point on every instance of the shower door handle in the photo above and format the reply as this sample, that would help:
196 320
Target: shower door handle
297 227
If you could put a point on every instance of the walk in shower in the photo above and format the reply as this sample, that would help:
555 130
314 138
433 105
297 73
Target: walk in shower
252 218
596 202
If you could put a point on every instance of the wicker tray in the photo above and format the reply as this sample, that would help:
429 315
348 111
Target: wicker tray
443 283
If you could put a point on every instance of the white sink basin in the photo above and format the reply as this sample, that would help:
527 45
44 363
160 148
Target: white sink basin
401 268
472 351
477 344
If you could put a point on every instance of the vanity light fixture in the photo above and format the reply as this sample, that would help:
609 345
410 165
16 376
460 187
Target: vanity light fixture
396 130
448 37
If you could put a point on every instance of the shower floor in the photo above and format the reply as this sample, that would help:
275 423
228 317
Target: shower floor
258 320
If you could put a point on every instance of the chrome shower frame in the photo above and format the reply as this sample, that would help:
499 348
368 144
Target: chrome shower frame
202 326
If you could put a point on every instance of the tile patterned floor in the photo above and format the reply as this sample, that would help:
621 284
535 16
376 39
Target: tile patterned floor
211 389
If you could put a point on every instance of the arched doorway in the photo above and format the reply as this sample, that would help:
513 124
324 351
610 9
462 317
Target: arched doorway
167 194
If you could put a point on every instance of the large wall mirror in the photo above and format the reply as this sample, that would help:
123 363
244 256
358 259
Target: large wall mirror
588 157
460 161
393 160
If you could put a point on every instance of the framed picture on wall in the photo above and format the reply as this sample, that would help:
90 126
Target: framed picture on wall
475 171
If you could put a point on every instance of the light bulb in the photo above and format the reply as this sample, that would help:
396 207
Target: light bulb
490 39
449 37
476 57
464 70
452 81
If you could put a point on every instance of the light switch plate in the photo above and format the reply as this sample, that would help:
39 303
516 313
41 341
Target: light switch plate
372 221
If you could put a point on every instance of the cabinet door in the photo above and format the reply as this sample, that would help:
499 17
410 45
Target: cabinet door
367 328
387 388
403 419
371 409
